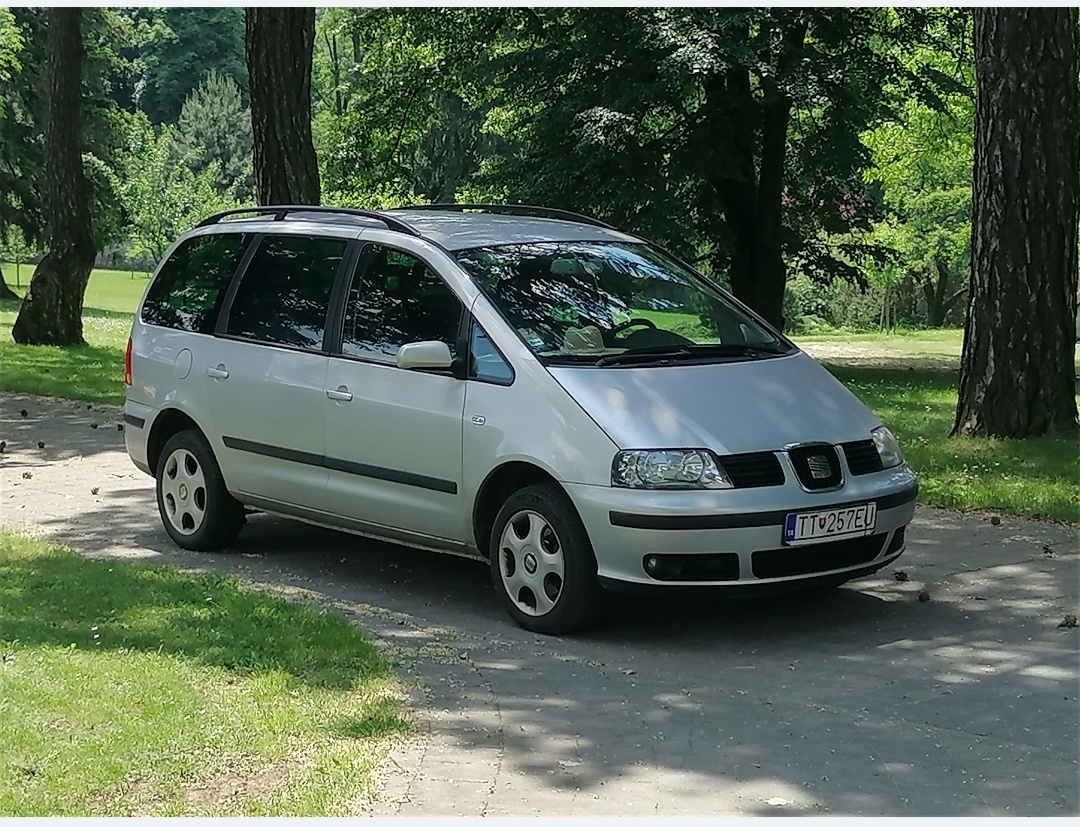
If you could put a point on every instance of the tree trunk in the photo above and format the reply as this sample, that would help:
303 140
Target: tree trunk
1016 376
753 197
5 291
51 314
279 43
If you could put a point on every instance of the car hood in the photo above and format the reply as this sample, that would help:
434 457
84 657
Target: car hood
730 407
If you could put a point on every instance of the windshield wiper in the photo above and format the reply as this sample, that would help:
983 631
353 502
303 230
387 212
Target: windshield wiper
673 353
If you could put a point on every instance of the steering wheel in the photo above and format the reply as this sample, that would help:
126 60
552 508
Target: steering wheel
619 328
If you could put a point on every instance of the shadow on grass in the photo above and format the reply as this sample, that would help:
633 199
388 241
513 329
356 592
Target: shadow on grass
50 597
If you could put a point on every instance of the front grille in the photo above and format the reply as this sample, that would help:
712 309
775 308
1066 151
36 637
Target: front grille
897 541
817 466
753 470
693 567
862 457
820 557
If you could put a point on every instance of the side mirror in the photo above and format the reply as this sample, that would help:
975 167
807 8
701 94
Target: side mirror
424 355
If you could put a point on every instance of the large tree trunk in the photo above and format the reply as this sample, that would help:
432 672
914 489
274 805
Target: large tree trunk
51 314
279 43
752 193
1016 375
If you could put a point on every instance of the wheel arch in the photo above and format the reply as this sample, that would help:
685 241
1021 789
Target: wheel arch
166 424
499 484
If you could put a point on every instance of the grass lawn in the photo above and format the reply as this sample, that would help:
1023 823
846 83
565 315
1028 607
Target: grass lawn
1031 477
132 689
95 372
908 378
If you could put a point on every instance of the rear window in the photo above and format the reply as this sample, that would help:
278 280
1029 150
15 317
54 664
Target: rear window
191 284
284 295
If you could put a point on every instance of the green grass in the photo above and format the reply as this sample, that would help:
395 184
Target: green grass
1031 477
94 373
131 689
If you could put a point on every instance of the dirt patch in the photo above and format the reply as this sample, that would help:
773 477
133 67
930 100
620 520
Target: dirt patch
869 355
223 792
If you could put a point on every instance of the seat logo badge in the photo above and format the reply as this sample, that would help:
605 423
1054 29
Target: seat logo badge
819 467
478 420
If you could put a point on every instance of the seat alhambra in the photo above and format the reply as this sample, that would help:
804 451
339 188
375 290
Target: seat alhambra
522 385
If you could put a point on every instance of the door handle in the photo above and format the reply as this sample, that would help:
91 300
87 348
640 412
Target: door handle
340 395
218 373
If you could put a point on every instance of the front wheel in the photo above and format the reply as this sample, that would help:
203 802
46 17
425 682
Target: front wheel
196 508
542 563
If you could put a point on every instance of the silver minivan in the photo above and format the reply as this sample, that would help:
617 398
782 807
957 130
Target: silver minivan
522 385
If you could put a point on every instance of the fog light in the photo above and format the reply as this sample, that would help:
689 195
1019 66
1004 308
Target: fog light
652 562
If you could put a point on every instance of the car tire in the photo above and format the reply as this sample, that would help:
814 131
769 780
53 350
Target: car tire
542 563
196 508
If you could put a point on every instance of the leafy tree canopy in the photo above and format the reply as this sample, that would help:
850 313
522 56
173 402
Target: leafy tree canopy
178 46
215 128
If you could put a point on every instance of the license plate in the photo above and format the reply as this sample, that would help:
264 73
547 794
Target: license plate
836 522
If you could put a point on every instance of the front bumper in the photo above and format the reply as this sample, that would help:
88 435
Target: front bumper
736 538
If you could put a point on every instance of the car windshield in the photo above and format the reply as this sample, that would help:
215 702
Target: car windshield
614 303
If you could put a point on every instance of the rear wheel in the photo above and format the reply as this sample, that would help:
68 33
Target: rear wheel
196 508
542 563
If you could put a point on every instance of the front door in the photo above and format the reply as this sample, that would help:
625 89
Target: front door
393 436
267 369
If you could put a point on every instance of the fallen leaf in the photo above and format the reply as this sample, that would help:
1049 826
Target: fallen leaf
40 444
995 520
1068 623
924 596
900 576
26 475
94 490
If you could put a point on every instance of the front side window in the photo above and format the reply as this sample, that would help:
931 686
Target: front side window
190 286
614 303
485 361
284 294
395 299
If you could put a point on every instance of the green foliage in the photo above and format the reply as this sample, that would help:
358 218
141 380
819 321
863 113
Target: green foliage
162 199
923 159
393 121
11 43
178 46
215 128
22 162
15 247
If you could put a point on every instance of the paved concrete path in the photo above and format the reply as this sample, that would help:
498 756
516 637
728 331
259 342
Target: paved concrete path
862 700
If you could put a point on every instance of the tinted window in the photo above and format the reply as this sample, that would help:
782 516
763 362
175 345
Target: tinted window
191 285
584 302
396 299
485 361
285 291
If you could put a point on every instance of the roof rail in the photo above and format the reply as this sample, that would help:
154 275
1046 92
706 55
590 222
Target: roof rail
280 211
513 209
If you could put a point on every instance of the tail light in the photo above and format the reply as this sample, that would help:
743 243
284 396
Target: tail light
127 364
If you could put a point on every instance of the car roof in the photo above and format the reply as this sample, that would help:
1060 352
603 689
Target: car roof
456 228
467 230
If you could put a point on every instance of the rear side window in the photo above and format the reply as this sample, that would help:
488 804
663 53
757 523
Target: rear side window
190 286
284 294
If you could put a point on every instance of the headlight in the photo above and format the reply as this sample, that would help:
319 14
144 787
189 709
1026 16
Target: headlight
887 447
680 468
